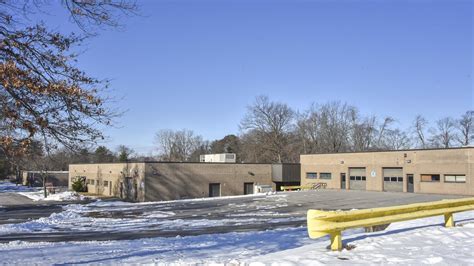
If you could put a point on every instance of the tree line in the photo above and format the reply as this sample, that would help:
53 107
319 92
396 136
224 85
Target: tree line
272 132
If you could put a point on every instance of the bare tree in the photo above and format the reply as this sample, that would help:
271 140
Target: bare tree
444 134
381 133
419 128
271 122
363 133
396 139
326 128
43 94
178 145
466 128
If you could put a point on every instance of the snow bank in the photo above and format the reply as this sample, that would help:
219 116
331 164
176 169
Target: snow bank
62 196
422 241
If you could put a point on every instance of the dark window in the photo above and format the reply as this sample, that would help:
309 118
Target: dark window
393 179
430 178
352 178
358 178
400 179
386 179
325 175
312 175
363 178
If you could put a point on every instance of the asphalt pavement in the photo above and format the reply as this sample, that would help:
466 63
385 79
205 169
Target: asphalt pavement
218 215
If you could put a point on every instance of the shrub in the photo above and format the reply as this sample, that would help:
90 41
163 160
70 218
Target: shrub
79 185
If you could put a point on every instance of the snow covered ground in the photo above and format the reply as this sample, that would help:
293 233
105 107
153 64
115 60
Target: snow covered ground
37 194
231 230
422 241
61 196
7 186
117 216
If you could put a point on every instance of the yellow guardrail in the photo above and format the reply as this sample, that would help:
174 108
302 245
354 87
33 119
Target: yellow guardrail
308 186
322 223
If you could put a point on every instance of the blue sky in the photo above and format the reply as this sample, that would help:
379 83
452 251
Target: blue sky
198 64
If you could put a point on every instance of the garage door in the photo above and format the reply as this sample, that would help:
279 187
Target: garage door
357 179
393 179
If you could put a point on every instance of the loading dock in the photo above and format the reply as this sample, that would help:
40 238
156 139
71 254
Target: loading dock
438 171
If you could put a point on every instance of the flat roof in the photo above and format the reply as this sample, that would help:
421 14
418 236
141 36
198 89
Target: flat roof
404 150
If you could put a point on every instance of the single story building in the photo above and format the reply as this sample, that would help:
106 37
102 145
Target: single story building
156 181
35 178
441 171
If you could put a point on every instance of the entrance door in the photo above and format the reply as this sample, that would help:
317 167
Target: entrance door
248 188
410 183
343 180
214 190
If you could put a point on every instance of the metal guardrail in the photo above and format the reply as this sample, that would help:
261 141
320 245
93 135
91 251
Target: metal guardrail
305 187
322 223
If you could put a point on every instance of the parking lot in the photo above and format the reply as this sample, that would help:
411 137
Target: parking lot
117 220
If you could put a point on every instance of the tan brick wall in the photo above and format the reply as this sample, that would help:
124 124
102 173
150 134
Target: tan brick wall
416 162
170 181
115 174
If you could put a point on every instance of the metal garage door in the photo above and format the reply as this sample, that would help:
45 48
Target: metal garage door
393 179
357 179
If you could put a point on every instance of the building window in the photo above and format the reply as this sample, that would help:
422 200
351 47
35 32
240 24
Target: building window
311 175
392 179
455 178
357 178
325 175
430 178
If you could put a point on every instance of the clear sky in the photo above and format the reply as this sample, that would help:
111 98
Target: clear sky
198 64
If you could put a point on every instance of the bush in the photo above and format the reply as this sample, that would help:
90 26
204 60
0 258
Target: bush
79 185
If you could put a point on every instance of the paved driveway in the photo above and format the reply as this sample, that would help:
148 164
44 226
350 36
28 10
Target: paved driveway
116 220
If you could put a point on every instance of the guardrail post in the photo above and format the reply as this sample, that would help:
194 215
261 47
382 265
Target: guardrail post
448 220
336 241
